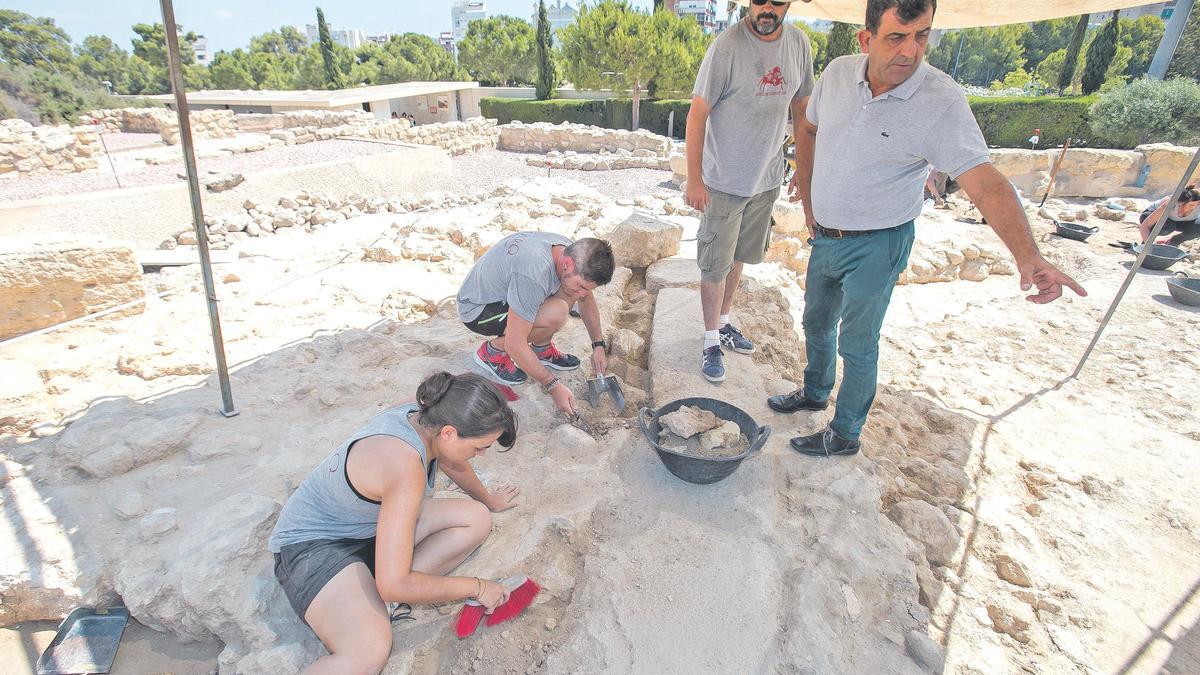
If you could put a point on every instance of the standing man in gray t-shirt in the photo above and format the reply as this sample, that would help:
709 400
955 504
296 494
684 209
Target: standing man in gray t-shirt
874 124
752 76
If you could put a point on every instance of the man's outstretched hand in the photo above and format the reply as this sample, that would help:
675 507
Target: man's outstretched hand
1048 279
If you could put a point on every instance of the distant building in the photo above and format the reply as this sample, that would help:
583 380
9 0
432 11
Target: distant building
380 38
200 49
559 14
704 12
462 13
346 38
446 40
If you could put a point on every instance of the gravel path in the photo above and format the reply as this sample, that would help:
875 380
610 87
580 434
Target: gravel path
120 140
33 187
488 169
480 171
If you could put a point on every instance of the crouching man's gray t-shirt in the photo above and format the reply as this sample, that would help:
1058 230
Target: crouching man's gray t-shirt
519 270
750 84
873 152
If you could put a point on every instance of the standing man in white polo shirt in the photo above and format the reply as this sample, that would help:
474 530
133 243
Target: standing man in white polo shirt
752 75
875 122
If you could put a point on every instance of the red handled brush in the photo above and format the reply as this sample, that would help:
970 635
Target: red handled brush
508 392
521 592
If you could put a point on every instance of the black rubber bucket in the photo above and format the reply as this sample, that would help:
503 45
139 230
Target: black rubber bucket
1184 290
702 470
1073 231
1160 257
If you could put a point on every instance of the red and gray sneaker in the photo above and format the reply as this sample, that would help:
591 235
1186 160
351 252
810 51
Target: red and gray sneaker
499 366
552 358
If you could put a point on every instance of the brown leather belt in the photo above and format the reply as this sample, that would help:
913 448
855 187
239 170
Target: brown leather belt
841 234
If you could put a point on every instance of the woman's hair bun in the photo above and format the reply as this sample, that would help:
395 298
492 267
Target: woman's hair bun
434 389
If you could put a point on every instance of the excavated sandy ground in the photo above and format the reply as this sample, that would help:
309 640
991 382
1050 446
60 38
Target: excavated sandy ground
1025 521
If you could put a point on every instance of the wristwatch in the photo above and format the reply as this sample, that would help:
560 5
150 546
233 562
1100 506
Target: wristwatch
600 343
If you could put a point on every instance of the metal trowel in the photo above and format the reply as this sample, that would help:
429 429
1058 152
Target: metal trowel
605 384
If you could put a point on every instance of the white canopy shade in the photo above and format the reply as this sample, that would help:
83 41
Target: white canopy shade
964 13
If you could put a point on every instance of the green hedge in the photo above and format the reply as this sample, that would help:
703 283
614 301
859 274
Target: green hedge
610 113
1009 122
556 111
1006 122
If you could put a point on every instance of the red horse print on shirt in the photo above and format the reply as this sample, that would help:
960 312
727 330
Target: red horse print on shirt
772 83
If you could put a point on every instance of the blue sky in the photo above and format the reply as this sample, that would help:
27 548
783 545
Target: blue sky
231 23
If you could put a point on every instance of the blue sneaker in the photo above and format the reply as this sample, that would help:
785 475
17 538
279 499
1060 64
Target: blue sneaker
713 364
732 337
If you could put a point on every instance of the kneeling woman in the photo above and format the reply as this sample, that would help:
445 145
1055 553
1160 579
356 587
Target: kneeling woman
359 531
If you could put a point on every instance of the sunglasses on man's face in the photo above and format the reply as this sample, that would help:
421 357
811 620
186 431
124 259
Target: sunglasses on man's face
760 3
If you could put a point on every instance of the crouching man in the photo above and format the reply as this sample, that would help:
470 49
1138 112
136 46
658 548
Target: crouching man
519 295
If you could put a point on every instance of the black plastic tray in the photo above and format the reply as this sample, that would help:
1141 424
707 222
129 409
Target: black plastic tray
86 642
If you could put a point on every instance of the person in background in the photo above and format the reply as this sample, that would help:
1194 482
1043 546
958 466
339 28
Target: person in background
1184 221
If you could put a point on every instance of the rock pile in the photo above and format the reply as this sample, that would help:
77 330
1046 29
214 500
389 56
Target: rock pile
603 161
27 149
543 137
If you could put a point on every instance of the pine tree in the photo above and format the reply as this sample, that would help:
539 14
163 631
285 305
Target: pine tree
841 42
1100 55
332 79
1067 74
545 63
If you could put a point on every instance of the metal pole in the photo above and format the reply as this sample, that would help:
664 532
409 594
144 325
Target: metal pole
175 69
1137 264
112 166
1170 40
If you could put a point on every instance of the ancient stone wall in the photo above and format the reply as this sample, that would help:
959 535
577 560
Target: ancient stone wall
545 137
27 149
205 123
306 126
48 284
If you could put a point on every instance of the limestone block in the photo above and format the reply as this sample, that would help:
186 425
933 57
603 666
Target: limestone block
1167 164
672 273
727 435
641 240
1090 172
789 218
136 436
1029 170
52 283
626 344
689 421
927 525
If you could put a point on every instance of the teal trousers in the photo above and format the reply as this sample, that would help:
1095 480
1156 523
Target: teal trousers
848 288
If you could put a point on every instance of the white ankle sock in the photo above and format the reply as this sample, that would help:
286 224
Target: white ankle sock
724 320
712 338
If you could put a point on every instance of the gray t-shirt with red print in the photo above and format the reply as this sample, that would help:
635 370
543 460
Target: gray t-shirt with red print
749 84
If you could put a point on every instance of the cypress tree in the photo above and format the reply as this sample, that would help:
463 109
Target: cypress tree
545 75
841 42
332 79
1100 55
1067 74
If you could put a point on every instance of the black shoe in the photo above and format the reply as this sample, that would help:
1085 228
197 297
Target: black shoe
790 403
825 443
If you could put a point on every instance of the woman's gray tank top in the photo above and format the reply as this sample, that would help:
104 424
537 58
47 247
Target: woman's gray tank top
326 506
